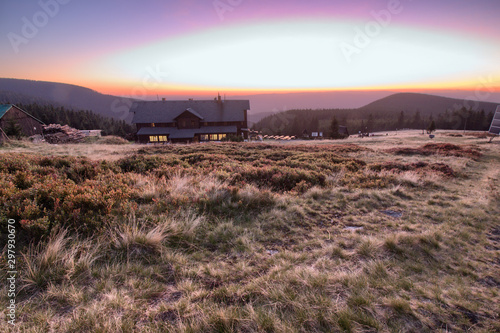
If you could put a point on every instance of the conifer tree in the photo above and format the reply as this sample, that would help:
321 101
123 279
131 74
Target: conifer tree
334 129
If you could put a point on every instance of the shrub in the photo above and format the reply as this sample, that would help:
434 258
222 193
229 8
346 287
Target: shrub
233 138
112 140
139 163
55 200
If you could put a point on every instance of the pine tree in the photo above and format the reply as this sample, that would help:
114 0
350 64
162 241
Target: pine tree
417 120
401 120
432 127
334 129
369 124
481 121
296 129
12 129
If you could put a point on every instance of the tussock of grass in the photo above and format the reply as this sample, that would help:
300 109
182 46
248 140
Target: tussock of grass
134 240
57 261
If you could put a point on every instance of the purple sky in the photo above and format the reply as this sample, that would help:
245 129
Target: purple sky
109 45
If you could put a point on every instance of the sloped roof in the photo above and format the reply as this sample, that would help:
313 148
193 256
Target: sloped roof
193 112
175 133
6 107
208 110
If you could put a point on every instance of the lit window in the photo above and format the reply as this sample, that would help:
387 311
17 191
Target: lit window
152 124
204 137
153 138
162 138
213 137
222 136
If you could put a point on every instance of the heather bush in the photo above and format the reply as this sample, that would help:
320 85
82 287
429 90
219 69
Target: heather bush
140 163
72 192
227 179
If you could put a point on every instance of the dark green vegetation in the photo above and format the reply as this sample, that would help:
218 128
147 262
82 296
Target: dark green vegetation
397 111
69 96
258 238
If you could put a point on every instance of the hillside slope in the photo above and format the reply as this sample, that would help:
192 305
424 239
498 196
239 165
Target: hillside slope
426 104
401 110
67 95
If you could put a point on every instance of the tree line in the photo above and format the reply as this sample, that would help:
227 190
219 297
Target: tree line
295 122
81 119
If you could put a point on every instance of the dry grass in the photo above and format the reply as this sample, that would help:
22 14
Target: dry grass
57 261
242 258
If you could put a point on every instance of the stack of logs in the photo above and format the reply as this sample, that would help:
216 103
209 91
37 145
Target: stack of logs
55 133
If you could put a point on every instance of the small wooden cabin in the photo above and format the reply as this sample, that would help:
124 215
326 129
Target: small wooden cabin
14 121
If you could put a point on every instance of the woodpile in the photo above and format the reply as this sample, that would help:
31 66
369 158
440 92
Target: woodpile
55 133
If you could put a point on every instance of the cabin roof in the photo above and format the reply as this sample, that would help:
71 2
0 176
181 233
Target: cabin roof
208 110
4 108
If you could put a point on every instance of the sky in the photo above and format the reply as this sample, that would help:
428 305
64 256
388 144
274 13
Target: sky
148 48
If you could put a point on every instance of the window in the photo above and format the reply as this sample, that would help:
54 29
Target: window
193 123
153 138
212 137
162 138
152 124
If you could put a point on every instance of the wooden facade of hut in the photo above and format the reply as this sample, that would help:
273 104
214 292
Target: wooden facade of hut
15 122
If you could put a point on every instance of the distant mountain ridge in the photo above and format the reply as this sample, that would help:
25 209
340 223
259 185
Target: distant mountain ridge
261 105
67 95
400 110
425 103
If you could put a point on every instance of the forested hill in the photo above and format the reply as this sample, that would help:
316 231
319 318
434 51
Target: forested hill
403 110
67 95
82 119
426 104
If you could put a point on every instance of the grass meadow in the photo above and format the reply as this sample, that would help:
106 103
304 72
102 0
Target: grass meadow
397 233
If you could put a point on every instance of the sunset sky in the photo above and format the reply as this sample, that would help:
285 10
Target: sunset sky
144 48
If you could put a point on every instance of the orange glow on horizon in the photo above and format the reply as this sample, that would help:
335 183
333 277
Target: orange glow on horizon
138 91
